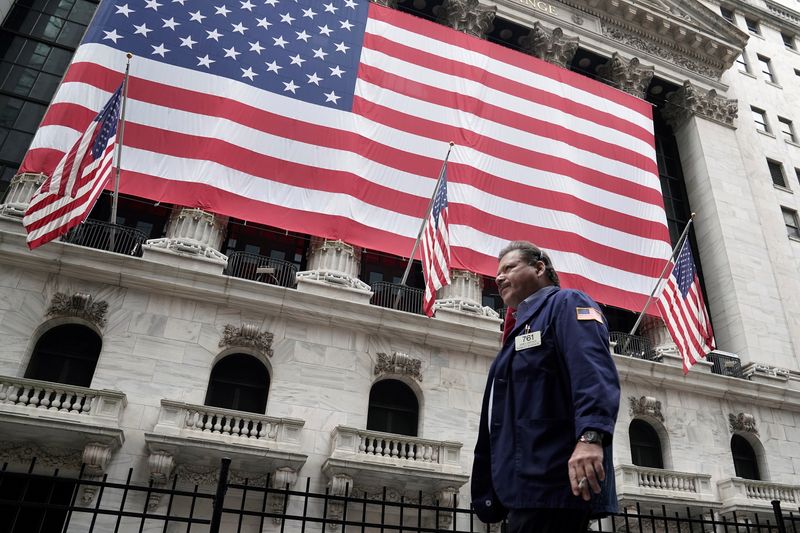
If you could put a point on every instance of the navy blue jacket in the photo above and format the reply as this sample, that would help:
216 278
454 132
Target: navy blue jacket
544 398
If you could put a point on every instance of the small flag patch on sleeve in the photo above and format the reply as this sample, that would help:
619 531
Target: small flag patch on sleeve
589 313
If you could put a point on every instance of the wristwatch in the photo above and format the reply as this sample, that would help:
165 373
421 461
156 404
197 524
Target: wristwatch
592 437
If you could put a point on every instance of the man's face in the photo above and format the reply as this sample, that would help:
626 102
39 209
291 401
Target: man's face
517 280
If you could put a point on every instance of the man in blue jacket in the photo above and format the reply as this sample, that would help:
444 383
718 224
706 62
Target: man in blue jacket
543 456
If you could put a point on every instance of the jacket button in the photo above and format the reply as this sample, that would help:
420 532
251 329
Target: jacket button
488 503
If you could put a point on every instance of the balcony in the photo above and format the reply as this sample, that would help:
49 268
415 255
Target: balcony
656 485
199 434
632 346
749 495
406 464
106 236
261 268
396 296
59 415
726 364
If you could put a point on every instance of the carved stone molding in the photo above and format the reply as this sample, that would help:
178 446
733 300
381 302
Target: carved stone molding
20 192
193 232
468 16
767 371
629 76
689 101
339 485
386 3
209 475
446 497
334 262
248 335
743 422
95 460
81 305
162 466
649 47
550 45
398 363
24 453
646 406
283 478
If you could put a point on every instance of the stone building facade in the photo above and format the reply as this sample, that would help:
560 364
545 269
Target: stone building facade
724 80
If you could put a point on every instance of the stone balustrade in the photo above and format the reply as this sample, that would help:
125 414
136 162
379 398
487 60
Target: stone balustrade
371 445
739 494
640 483
29 394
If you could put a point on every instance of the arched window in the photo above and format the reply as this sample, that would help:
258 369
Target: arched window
744 458
239 382
393 408
645 445
65 354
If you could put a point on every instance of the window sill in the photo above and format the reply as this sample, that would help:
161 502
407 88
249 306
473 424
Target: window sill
793 238
793 143
748 74
782 188
754 34
766 133
773 84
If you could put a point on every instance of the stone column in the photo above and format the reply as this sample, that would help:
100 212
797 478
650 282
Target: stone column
333 269
461 301
468 16
193 240
550 45
95 459
730 226
629 76
161 465
19 194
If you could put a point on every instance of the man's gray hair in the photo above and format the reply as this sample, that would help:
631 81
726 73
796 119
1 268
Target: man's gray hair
531 253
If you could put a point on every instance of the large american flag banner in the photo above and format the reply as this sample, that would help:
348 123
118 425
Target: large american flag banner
67 196
331 118
684 311
436 245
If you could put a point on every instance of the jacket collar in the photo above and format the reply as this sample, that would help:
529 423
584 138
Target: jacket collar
531 305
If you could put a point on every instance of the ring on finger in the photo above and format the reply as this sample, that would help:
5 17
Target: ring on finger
581 482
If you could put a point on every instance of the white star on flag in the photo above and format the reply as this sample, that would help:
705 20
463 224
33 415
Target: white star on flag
291 86
256 47
336 71
222 10
325 30
239 28
142 29
205 61
264 23
280 42
297 60
196 16
170 23
273 67
112 35
187 41
124 10
153 4
341 47
231 52
331 97
313 78
214 34
248 73
159 50
247 5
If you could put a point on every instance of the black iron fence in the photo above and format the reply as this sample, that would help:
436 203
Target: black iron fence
632 346
396 296
261 268
32 502
107 236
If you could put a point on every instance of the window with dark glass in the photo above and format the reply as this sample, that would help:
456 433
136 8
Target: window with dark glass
760 118
741 60
744 458
788 41
766 67
791 221
797 174
645 445
393 408
727 14
776 172
267 242
239 382
787 129
65 354
752 25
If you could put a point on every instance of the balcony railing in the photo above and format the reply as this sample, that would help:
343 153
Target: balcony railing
385 294
726 365
59 399
369 445
106 236
638 482
754 491
632 346
261 268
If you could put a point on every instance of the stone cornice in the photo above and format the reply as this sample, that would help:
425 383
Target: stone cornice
775 15
154 276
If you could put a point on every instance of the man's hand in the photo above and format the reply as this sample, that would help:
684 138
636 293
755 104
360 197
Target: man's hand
586 469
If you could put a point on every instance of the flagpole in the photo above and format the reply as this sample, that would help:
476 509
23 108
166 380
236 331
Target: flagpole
424 221
661 277
120 136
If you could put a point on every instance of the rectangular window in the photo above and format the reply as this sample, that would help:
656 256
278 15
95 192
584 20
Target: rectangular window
752 26
760 118
788 41
741 61
776 171
797 72
790 219
766 67
727 14
797 174
787 129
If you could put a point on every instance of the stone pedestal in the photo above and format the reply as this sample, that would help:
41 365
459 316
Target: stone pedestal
333 268
460 301
193 240
20 193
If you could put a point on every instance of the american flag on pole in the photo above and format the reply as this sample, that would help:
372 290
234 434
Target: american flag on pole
436 246
65 198
684 311
330 117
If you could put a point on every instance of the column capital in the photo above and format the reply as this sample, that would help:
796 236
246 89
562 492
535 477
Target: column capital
193 233
689 101
386 3
550 45
333 264
627 75
468 16
19 194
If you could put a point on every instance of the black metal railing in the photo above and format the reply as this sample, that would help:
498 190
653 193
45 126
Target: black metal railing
396 296
632 346
107 236
30 501
726 365
261 268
